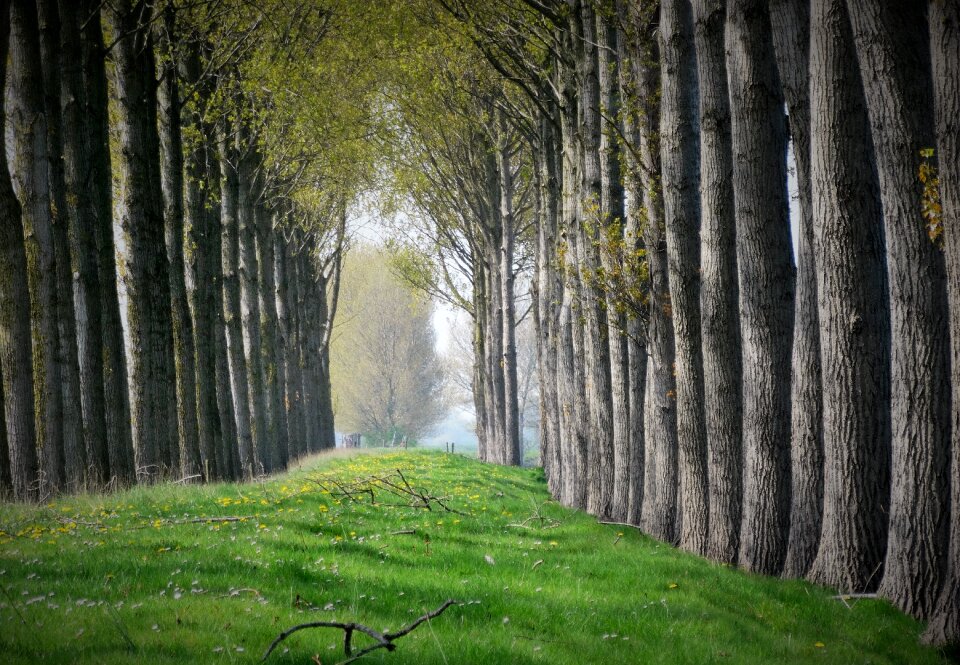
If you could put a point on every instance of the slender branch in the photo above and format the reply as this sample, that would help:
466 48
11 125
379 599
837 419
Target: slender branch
382 640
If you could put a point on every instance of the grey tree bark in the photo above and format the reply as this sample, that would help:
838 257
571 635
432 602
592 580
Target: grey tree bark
766 281
508 359
99 181
6 481
853 317
679 146
273 357
894 58
16 353
600 452
29 170
548 294
719 308
249 191
634 218
292 379
172 181
81 219
227 450
571 380
233 327
202 265
790 21
612 217
141 218
944 21
659 510
74 447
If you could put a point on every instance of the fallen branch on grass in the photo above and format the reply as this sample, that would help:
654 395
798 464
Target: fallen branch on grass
537 517
395 485
383 640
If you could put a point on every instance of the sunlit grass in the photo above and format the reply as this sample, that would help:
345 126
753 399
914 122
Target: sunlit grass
143 577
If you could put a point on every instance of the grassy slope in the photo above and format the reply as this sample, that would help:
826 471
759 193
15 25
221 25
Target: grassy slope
114 579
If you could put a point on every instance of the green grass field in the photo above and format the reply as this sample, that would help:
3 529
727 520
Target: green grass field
147 576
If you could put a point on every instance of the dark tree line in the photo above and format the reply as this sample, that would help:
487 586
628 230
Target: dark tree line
789 413
228 281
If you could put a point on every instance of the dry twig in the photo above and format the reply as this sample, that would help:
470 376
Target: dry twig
383 640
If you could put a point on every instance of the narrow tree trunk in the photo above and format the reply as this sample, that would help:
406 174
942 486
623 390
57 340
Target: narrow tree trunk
894 58
116 388
273 355
81 216
16 354
172 168
327 287
679 154
508 361
766 282
659 509
853 317
292 381
548 288
612 219
572 389
30 173
233 327
600 451
74 447
944 20
719 292
790 21
147 281
249 192
202 270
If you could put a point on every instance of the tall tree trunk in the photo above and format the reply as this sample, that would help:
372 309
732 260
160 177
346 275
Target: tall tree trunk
508 360
233 326
285 275
944 20
679 144
249 192
116 388
273 356
894 57
202 268
548 293
853 316
74 447
766 282
790 21
611 256
637 354
658 514
225 436
16 354
172 168
719 291
30 173
600 453
81 216
572 389
147 281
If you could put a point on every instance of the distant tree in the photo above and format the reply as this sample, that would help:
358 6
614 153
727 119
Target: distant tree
387 376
